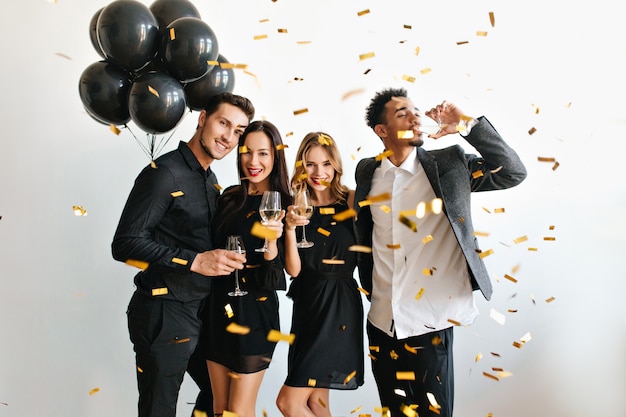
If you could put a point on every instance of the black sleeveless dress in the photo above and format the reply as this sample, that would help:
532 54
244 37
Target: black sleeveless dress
327 318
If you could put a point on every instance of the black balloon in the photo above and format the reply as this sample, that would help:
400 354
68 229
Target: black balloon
93 33
128 33
166 11
104 89
218 80
193 44
157 102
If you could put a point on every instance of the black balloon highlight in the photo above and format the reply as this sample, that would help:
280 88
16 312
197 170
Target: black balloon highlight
166 11
156 102
128 34
218 80
93 33
104 89
187 55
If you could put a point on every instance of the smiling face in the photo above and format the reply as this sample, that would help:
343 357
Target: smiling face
258 160
219 132
319 169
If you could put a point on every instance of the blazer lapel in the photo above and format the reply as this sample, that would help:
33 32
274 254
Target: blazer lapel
432 172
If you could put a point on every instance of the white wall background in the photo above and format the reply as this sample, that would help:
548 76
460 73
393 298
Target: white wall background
63 298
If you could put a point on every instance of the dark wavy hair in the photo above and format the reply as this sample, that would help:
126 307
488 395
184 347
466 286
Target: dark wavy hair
375 112
243 103
234 198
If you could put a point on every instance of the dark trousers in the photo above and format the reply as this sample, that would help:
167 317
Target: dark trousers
198 371
164 334
430 362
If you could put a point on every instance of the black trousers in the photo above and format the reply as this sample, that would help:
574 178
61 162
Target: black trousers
164 334
429 357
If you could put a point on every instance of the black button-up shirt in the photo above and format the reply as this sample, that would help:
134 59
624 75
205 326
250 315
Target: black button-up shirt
166 223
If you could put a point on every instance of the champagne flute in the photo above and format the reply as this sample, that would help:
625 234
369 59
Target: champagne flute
269 209
235 244
303 207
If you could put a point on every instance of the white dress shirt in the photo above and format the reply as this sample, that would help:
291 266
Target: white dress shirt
419 285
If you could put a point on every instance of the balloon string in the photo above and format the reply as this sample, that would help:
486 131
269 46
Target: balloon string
143 148
164 142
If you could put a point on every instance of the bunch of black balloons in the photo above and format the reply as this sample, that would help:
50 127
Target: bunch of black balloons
157 62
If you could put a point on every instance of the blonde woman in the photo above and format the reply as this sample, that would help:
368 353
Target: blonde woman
327 318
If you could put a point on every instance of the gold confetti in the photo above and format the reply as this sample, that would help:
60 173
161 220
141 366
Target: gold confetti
243 149
545 159
177 341
153 91
281 146
477 174
492 19
410 349
349 377
152 165
114 129
262 299
488 375
352 93
405 134
237 329
276 336
549 300
360 248
180 261
172 34
177 194
416 51
384 155
427 271
282 30
394 355
520 239
405 375
312 382
159 291
356 410
555 166
227 413
322 403
323 231
462 42
456 323
427 238
363 290
333 261
259 37
408 78
363 57
419 293
139 370
213 63
517 344
327 210
344 215
198 413
478 357
385 208
393 246
510 278
229 311
549 238
93 391
425 71
379 198
436 341
363 12
303 42
484 234
532 249
263 232
408 411
218 187
433 402
408 223
486 253
137 264
532 130
301 111
498 210
79 211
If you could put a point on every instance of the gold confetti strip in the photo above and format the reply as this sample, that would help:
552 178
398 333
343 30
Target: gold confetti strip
172 34
416 51
259 37
213 63
408 411
433 402
276 336
481 33
394 355
356 410
478 357
218 187
517 344
531 249
487 210
153 91
139 370
282 30
532 130
555 166
323 231
427 238
456 323
405 376
243 149
462 42
483 234
410 349
428 271
179 341
545 159
344 215
526 338
239 66
301 111
405 134
549 300
492 19
263 232
177 194
227 65
363 12
549 238
333 261
477 174
520 239
281 146
325 139
235 328
322 403
363 290
393 246
312 382
229 311
262 299
504 374
436 341
114 129
159 291
486 253
434 409
365 56
137 264
227 413
510 278
408 223
360 248
152 165
350 376
498 210
419 293
180 261
385 208
408 78
93 391
79 211
352 93
374 348
488 375
327 210
303 42
384 155
425 71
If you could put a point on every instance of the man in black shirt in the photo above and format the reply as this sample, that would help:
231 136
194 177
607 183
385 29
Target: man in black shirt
165 228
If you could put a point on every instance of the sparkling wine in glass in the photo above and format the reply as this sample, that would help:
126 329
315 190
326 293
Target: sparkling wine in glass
269 209
235 244
303 207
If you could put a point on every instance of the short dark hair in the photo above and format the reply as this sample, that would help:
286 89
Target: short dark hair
375 113
243 103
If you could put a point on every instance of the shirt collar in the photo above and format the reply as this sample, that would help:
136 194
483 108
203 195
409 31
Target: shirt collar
189 157
410 164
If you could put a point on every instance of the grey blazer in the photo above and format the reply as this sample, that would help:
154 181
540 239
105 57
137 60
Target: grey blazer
449 171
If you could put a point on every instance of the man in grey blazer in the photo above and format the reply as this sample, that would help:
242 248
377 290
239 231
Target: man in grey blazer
413 209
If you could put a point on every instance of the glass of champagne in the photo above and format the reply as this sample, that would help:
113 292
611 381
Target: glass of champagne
269 209
303 207
235 244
